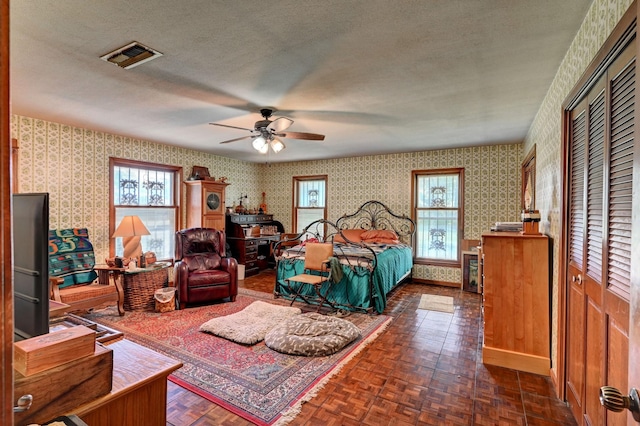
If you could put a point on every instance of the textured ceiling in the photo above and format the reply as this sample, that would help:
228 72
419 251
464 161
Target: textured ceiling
374 76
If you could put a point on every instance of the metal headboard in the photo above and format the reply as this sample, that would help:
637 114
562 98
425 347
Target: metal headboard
376 215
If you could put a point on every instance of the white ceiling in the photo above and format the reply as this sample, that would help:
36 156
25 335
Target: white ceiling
374 76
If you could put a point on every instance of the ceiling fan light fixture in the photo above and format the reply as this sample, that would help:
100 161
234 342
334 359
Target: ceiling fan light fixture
259 143
266 133
264 149
277 145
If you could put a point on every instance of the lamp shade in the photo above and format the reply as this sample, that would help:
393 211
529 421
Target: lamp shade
130 229
130 226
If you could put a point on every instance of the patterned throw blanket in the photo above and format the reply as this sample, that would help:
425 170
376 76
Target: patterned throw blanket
71 256
362 286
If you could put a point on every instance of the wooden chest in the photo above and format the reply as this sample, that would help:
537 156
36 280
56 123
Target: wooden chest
41 353
60 389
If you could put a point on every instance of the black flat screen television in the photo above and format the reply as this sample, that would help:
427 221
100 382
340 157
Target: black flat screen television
30 217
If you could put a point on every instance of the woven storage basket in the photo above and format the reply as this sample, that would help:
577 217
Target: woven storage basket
139 288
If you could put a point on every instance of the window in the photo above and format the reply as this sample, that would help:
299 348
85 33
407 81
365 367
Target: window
151 192
438 201
310 195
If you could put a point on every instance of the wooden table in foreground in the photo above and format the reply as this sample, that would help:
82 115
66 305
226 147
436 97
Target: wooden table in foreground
139 392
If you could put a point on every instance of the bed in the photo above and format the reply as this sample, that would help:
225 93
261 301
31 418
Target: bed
372 247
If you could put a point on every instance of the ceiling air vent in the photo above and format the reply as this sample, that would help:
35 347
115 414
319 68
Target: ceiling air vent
131 55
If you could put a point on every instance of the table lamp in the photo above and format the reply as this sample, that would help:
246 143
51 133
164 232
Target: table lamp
130 229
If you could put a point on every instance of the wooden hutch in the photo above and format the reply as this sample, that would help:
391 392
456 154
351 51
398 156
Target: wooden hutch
205 204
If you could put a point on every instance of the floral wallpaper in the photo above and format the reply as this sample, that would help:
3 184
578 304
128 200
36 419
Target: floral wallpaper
491 194
545 131
72 164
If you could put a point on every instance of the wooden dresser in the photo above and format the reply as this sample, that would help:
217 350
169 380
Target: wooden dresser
516 301
252 252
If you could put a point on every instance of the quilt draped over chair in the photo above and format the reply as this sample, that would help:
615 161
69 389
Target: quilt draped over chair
72 274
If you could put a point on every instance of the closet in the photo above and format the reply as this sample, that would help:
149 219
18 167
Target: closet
599 152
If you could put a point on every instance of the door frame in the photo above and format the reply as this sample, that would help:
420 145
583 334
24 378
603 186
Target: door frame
6 286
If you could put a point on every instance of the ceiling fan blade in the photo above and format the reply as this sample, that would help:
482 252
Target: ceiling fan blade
303 136
279 124
231 127
237 139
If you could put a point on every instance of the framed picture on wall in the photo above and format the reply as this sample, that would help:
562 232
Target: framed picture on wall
470 271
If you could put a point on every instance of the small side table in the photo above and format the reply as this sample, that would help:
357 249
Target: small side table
470 271
104 272
139 286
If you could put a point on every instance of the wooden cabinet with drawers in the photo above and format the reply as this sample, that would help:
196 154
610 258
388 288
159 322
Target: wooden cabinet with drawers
254 252
516 301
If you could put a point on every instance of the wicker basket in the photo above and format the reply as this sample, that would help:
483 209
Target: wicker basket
139 288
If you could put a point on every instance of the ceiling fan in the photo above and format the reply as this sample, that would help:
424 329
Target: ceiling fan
266 133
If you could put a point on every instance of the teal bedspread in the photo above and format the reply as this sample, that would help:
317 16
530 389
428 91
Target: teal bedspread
358 289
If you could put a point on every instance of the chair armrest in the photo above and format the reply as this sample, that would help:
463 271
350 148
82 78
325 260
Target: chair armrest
54 284
230 265
180 282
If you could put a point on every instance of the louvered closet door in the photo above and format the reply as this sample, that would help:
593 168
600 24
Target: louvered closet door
584 119
618 203
600 169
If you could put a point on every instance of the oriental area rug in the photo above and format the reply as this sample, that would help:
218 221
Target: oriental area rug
252 381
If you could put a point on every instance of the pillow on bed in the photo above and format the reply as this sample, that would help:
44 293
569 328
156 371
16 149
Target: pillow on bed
380 236
352 234
381 241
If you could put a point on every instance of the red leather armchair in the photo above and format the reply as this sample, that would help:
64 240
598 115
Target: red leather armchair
202 272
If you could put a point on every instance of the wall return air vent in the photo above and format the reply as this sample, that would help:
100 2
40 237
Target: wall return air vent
131 55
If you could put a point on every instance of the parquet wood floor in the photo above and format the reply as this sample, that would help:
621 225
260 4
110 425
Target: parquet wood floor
425 369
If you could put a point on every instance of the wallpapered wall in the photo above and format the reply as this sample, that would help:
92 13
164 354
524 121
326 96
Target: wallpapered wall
545 132
72 164
492 187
